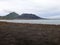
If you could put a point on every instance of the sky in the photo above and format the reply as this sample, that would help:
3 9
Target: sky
42 8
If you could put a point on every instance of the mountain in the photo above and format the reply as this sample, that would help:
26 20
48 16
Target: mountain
28 16
14 15
11 15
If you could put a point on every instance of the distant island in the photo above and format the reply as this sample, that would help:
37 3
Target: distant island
14 15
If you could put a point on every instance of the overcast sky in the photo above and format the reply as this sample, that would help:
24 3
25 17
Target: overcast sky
42 8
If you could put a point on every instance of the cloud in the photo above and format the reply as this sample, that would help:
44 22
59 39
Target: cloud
44 8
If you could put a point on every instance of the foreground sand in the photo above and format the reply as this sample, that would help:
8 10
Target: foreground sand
29 34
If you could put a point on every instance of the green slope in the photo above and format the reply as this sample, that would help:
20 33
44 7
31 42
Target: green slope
11 15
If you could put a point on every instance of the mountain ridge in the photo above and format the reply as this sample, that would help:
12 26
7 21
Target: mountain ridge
27 16
14 15
11 15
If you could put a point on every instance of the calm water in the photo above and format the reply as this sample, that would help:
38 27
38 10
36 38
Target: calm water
56 22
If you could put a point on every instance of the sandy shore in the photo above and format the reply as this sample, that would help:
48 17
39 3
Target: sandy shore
29 34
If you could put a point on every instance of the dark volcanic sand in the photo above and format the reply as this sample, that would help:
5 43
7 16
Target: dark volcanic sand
29 34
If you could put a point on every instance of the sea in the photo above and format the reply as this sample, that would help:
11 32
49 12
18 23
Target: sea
39 21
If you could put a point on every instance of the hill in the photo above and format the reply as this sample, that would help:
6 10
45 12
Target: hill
14 15
28 16
11 16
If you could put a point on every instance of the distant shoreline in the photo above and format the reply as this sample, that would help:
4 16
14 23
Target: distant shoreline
4 22
47 22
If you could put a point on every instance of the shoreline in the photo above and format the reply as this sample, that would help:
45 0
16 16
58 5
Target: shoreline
28 25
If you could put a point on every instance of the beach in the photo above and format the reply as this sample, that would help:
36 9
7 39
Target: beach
29 34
